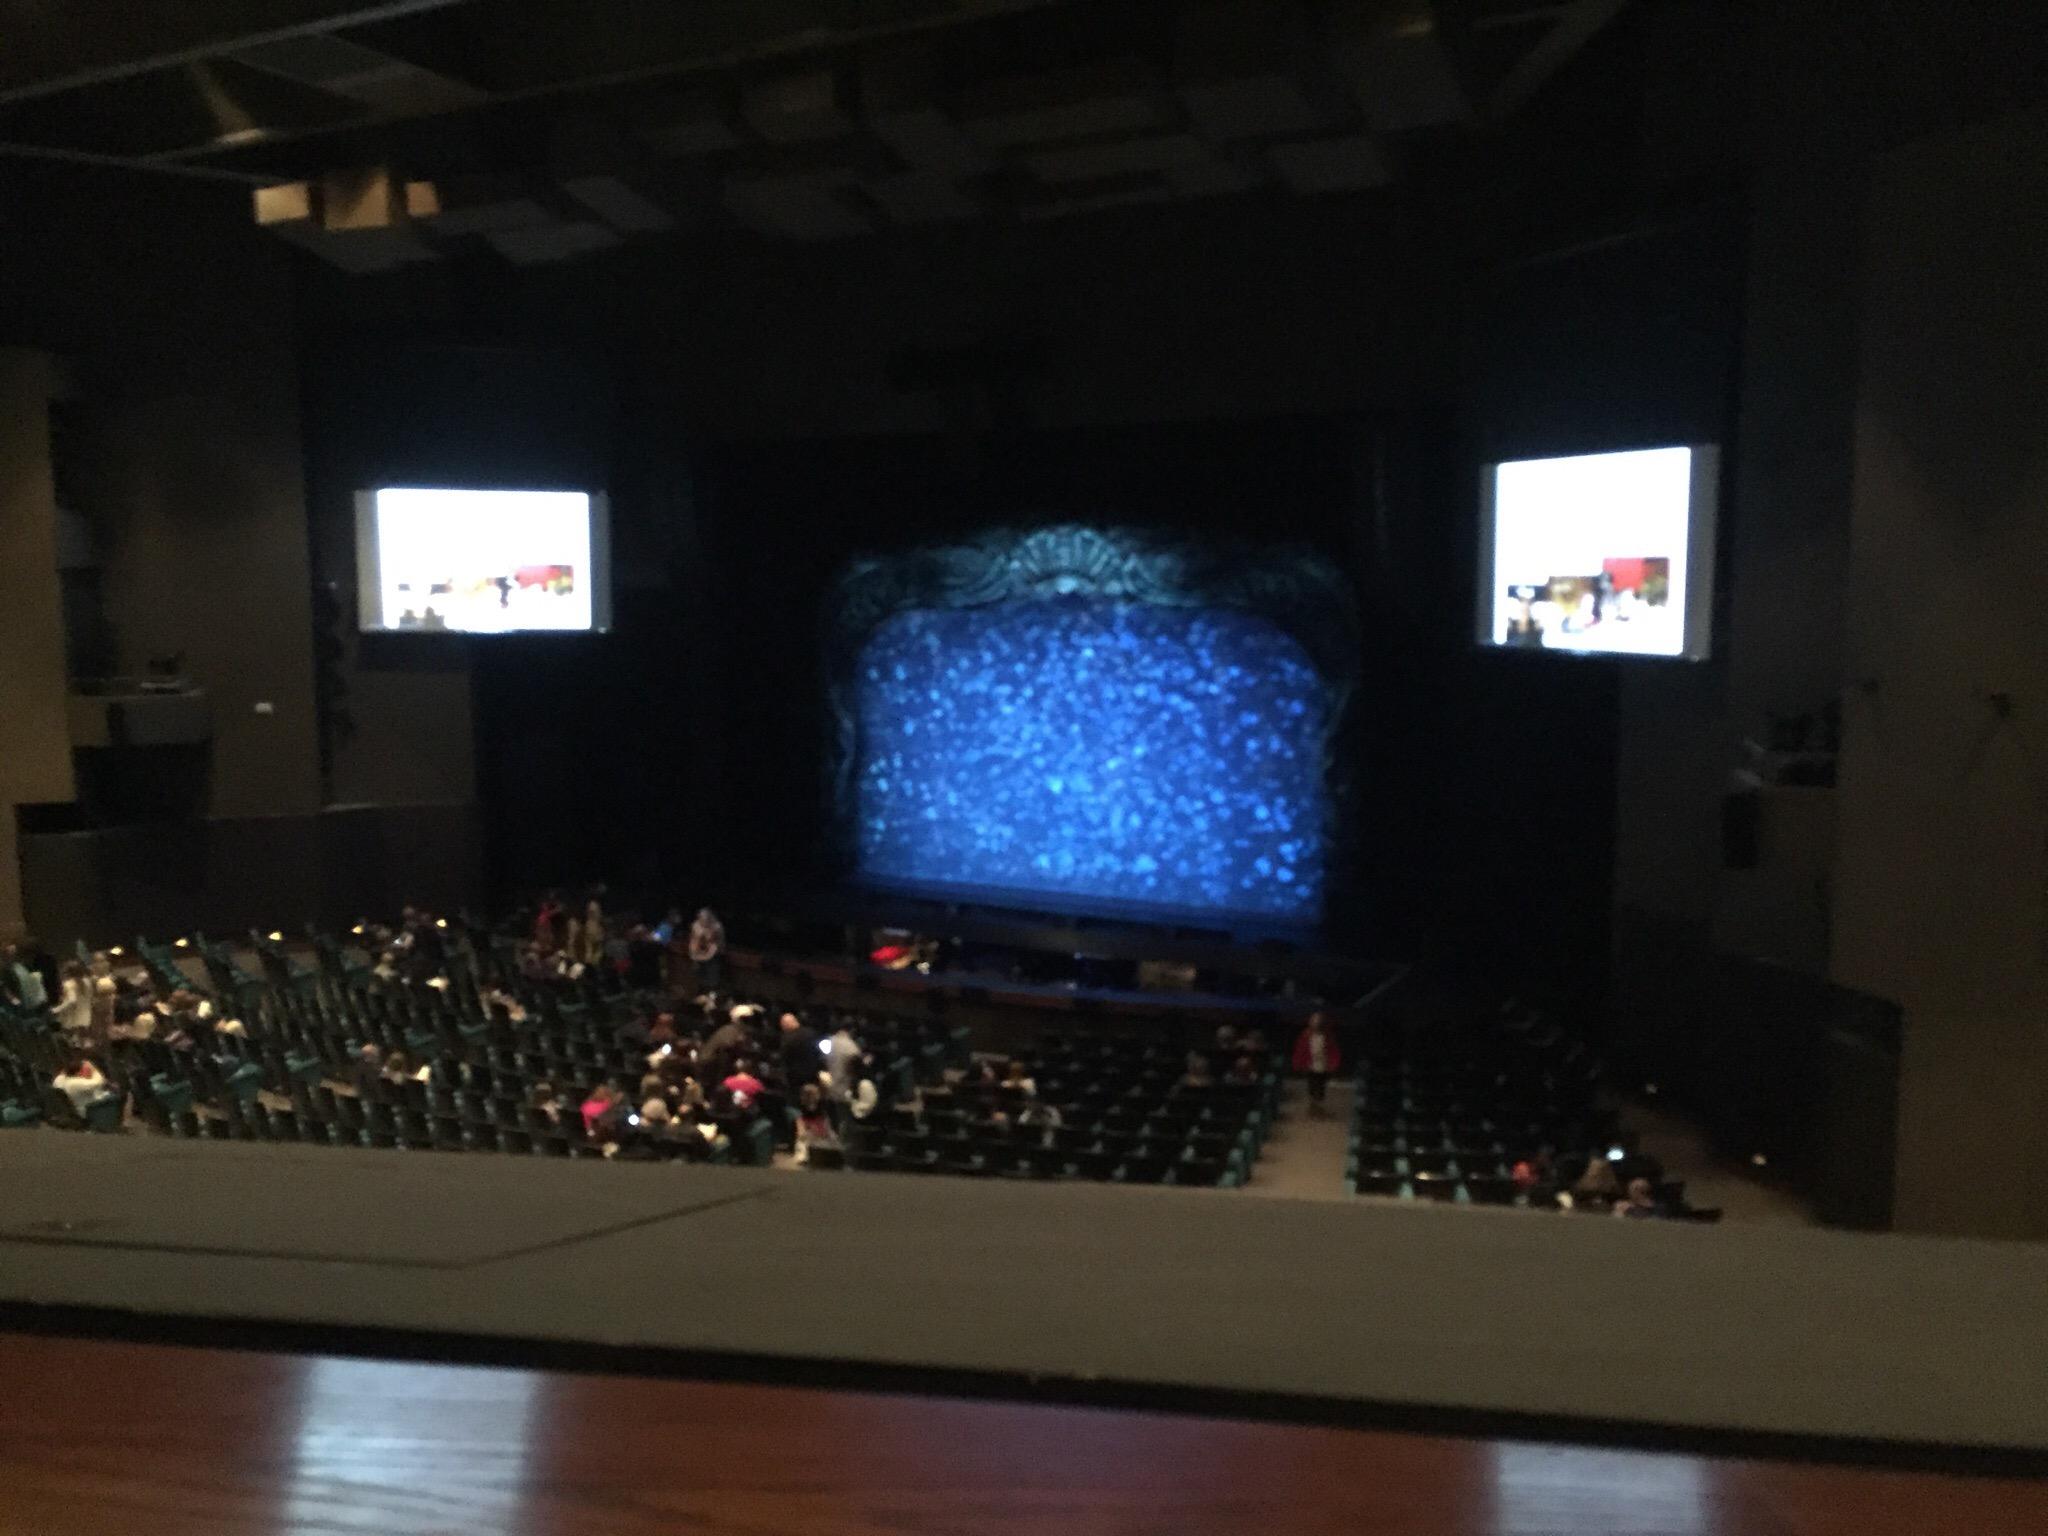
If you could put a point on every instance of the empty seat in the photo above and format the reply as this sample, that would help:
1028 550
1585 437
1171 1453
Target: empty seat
1437 1187
1145 1168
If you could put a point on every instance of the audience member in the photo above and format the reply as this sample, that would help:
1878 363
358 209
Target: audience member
802 1061
741 1085
547 1102
601 1110
1243 1073
106 996
1039 1116
74 1004
1198 1074
1597 1182
842 1062
1317 1056
866 1096
503 1004
591 950
368 1069
82 1083
707 947
1641 1200
728 1039
547 922
813 1125
132 1021
1017 1080
21 981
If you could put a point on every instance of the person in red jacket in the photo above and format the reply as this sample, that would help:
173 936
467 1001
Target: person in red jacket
1316 1055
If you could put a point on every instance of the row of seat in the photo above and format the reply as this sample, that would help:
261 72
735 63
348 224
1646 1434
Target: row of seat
1442 1112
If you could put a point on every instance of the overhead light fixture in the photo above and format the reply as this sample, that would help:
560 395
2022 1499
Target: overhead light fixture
276 937
184 943
117 950
357 929
440 922
1758 1159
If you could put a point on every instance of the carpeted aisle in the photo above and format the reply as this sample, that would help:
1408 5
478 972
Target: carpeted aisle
1304 1157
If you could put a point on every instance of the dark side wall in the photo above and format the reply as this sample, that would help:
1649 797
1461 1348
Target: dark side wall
179 447
183 448
1942 884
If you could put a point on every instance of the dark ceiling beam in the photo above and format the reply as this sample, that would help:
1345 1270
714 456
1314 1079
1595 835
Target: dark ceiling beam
131 163
1577 25
1494 21
554 53
68 46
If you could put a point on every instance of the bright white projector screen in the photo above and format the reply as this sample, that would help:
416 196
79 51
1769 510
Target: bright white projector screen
481 562
1601 554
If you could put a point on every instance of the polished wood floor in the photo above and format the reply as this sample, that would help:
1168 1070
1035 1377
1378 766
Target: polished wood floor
103 1437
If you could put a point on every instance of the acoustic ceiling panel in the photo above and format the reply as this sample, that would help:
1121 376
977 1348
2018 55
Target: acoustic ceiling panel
791 109
539 244
1347 164
619 203
805 207
921 197
1117 157
1119 97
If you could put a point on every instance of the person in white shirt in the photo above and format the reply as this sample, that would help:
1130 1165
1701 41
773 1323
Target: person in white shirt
82 1083
74 1006
106 993
865 1098
842 1061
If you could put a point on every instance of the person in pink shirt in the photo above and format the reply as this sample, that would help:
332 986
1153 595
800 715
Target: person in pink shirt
743 1085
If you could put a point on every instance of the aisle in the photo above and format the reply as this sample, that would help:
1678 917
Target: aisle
1304 1157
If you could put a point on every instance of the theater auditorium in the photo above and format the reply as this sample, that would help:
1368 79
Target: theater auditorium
1070 765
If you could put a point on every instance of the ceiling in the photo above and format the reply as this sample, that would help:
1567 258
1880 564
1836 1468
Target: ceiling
381 135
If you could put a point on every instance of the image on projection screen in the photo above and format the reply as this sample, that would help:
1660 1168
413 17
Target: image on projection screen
1604 553
1094 750
478 561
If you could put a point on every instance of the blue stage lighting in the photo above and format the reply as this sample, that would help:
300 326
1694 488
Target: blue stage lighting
1094 748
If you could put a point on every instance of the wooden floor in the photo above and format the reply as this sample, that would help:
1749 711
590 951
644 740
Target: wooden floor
98 1437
